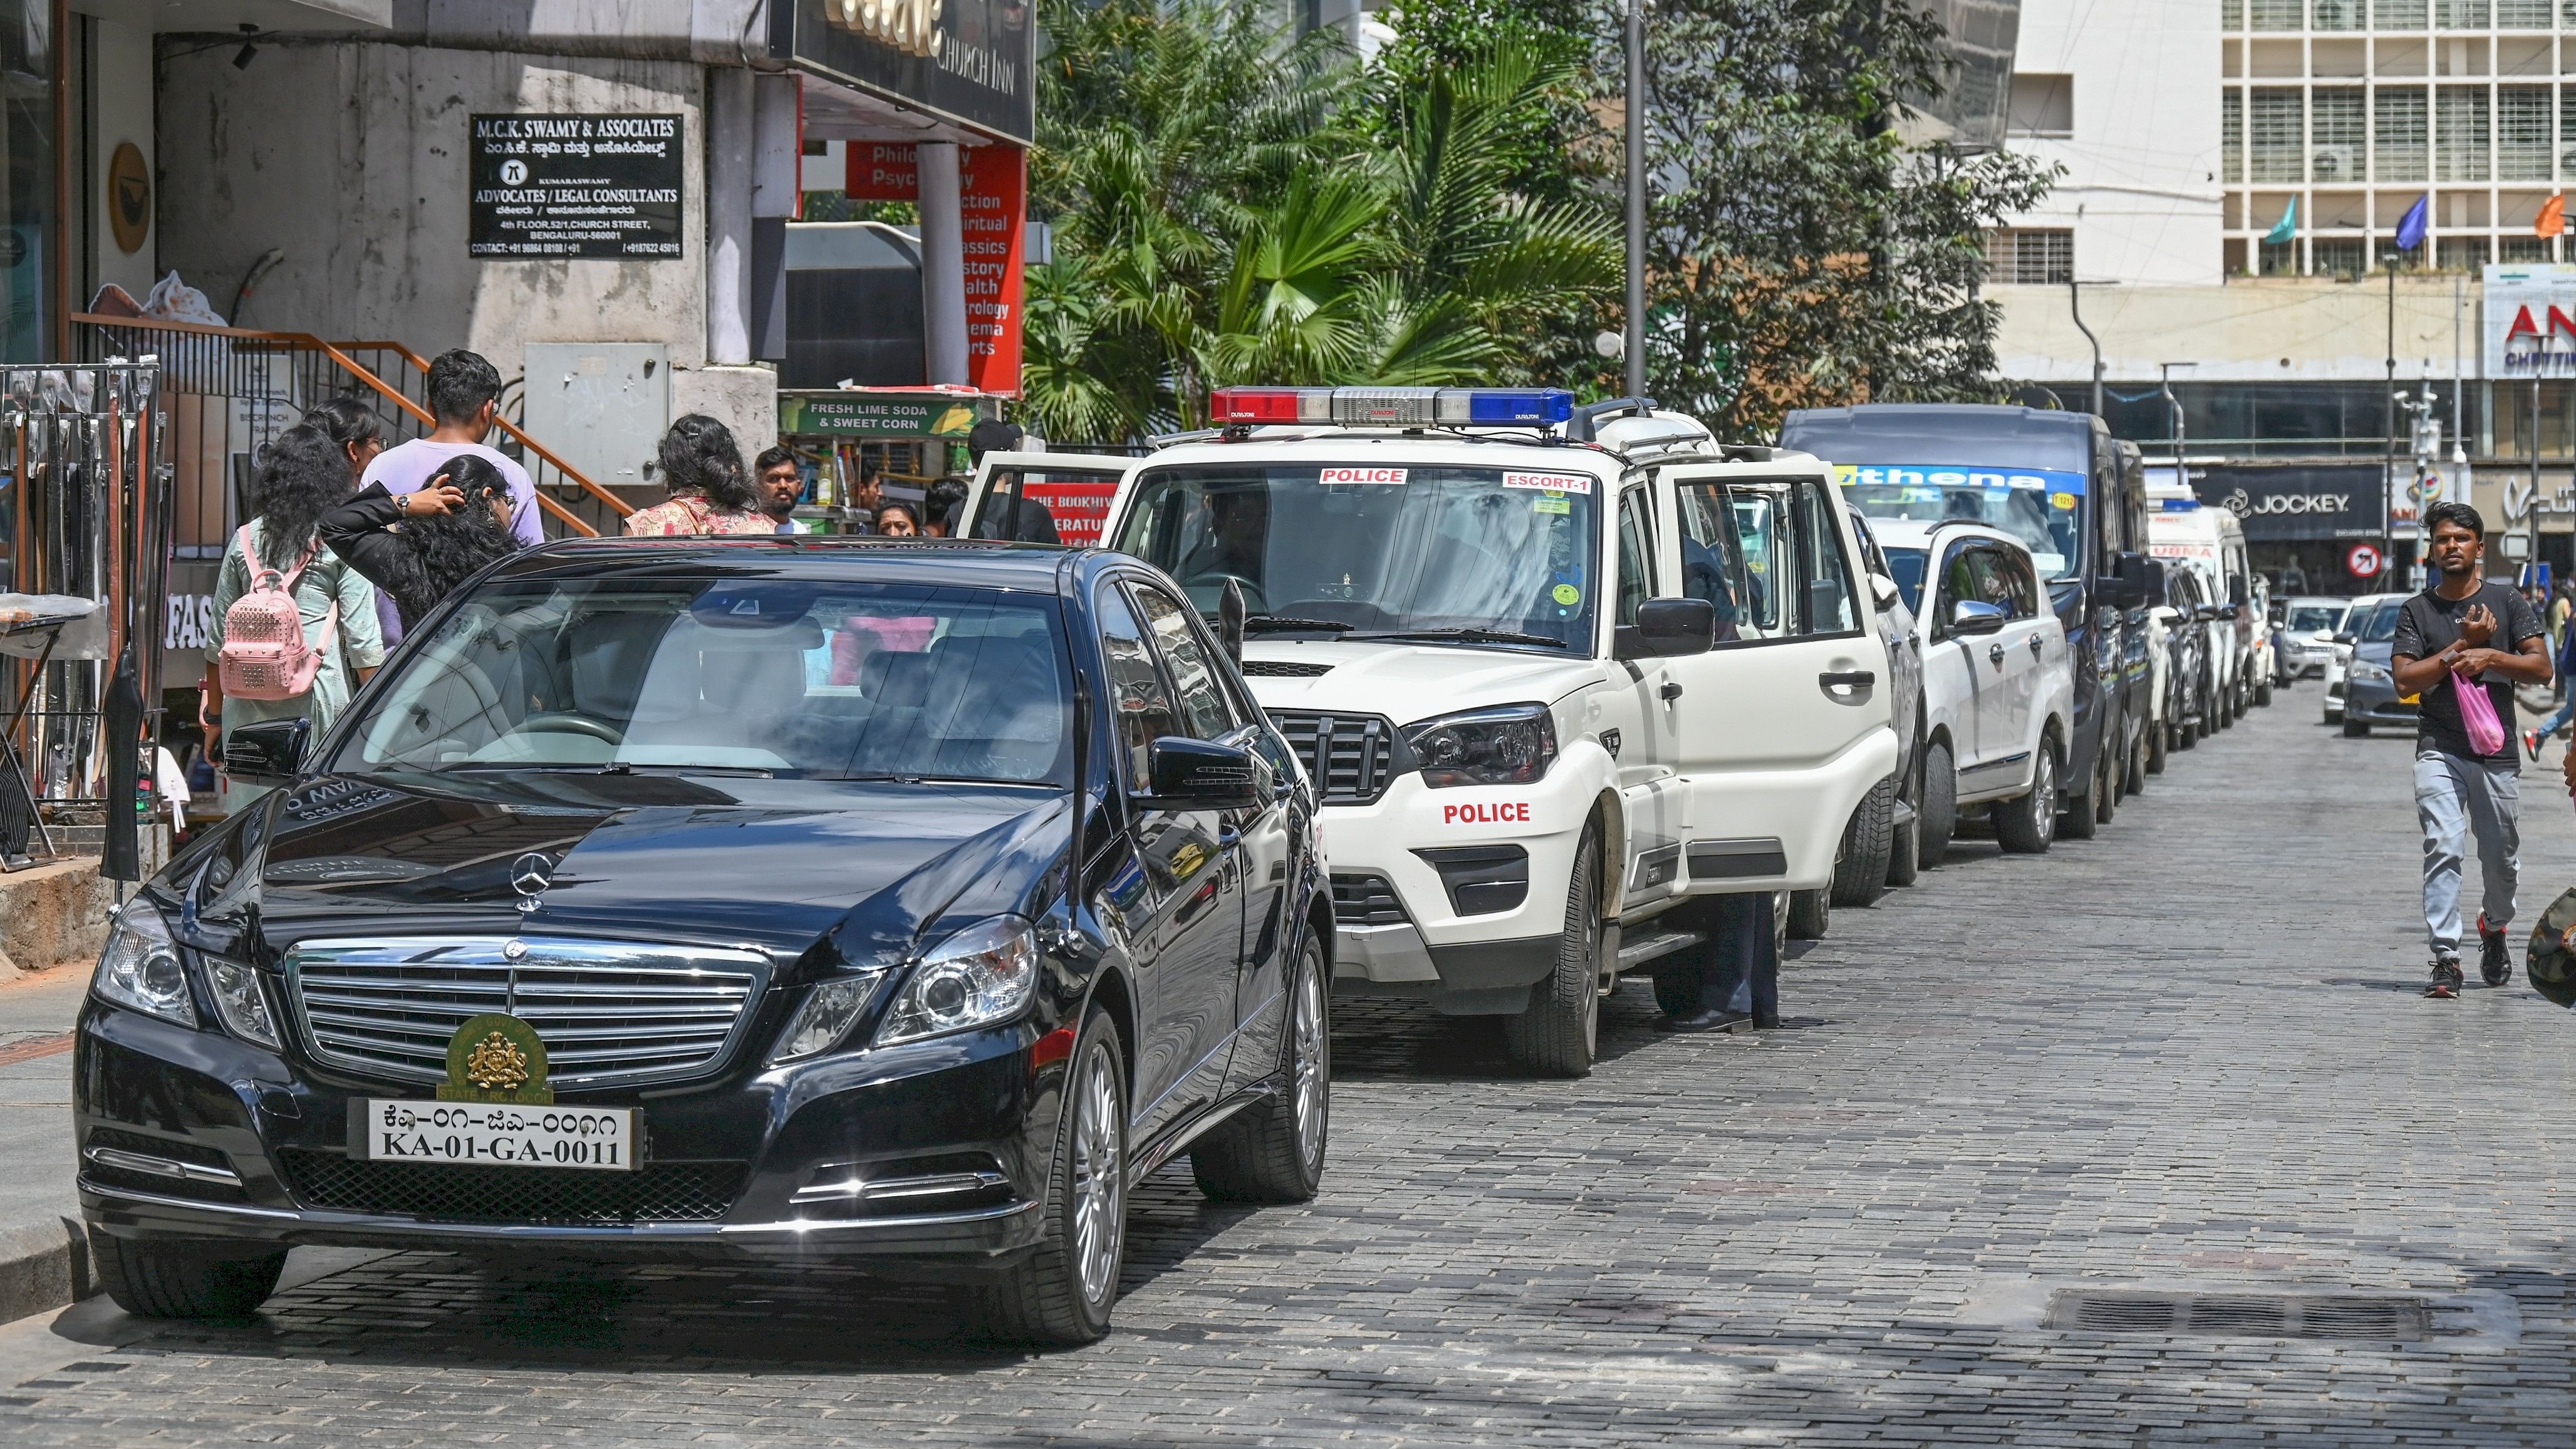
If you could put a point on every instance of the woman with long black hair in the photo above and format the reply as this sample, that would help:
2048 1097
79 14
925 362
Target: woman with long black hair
303 475
419 546
711 490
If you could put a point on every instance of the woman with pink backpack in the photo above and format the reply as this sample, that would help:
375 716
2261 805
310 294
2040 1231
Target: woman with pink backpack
295 629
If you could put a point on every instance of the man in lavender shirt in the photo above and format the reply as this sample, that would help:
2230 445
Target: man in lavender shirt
465 398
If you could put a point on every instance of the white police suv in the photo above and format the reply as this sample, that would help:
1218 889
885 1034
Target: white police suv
1553 672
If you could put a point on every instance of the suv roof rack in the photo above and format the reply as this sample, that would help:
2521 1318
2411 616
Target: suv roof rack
1586 423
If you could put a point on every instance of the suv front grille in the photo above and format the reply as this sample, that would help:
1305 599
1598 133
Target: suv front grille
610 1013
1350 757
656 1192
1366 900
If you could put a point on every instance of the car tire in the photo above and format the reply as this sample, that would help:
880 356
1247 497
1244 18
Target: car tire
2263 694
2027 825
163 1278
1780 901
1811 914
2159 748
2354 729
1274 1152
1860 872
2106 790
1556 1036
1061 1295
2082 819
1938 819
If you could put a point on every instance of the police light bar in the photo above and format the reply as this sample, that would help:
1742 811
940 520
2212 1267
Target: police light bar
1394 406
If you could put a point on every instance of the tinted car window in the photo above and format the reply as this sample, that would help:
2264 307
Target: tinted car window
796 678
1203 710
1140 703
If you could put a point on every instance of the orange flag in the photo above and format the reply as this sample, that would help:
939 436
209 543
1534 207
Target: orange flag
2553 216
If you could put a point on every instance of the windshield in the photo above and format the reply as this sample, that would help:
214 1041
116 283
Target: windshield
1906 566
2042 507
1377 549
2377 623
2315 619
813 680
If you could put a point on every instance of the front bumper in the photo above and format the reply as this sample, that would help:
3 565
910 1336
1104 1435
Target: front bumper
2374 703
745 1165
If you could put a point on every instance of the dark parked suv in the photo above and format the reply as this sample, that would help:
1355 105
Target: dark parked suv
710 897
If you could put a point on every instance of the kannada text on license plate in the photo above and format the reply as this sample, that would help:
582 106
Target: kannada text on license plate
493 1134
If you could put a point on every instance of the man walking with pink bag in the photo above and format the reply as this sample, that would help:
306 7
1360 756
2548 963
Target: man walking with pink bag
2467 771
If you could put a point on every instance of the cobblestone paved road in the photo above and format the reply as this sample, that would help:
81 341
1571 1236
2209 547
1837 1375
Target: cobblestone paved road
2186 1055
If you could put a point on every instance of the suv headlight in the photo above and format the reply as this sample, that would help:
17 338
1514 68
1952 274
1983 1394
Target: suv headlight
983 974
140 966
2368 673
1510 745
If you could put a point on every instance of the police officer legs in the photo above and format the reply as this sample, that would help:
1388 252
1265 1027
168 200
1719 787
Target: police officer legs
1740 982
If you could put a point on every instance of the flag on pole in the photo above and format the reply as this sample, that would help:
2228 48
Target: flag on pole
2286 228
2417 221
2553 216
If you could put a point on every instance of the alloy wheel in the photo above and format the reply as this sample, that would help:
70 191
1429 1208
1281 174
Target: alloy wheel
1307 1042
1099 1180
2043 795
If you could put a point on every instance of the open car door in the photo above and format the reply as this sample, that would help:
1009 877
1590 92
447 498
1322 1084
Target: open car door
1045 497
1782 728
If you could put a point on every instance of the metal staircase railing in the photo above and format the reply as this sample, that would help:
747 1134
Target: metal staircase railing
232 389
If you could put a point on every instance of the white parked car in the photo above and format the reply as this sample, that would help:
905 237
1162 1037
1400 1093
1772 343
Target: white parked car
2210 539
2308 627
1556 675
1998 682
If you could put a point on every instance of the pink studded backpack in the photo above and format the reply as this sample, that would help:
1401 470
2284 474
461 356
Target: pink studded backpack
264 654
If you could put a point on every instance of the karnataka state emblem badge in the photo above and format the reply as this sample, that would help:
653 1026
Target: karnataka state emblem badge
496 1057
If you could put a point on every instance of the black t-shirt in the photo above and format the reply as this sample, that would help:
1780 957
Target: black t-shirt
2427 624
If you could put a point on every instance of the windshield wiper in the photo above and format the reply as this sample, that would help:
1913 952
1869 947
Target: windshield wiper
1466 636
1284 624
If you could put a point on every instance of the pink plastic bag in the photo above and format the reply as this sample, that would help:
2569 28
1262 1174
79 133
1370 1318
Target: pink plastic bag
2478 716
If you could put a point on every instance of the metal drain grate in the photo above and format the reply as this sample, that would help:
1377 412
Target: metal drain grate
2241 1315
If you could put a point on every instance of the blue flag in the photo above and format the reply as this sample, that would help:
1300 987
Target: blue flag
2411 229
2286 228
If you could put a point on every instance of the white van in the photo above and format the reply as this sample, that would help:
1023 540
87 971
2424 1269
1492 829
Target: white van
1554 674
2180 526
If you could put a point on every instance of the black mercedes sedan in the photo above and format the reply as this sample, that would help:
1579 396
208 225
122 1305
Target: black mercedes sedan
711 896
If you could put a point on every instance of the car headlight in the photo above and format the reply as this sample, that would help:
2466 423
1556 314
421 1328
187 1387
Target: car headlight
1510 745
983 974
2365 672
140 966
825 1017
241 1001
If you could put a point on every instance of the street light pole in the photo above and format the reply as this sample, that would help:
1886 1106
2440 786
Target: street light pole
1636 334
2075 307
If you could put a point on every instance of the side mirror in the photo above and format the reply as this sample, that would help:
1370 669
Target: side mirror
1971 616
2128 580
1193 774
2232 612
1668 628
2346 638
270 752
1884 589
1230 614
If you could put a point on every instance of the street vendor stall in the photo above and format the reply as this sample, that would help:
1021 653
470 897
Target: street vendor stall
910 437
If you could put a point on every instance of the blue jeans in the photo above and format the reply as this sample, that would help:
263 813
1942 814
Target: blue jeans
1743 967
2455 799
2557 720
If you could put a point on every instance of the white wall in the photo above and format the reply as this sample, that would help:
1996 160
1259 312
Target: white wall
121 99
2141 186
352 159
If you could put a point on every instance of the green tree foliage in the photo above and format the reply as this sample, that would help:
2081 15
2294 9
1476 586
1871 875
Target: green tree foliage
1798 253
1232 205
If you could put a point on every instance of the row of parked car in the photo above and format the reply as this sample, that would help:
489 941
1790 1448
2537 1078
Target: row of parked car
910 901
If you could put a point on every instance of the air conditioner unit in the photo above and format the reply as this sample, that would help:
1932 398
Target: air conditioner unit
2337 163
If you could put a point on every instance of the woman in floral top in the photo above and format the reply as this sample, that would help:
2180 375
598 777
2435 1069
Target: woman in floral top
711 490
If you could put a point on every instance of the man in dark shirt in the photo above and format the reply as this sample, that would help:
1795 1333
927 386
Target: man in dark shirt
2445 642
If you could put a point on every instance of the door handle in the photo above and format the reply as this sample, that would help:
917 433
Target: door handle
1847 678
1995 652
2034 646
1671 691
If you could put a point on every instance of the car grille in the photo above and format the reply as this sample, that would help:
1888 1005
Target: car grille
610 1013
1366 900
1282 669
657 1192
1350 757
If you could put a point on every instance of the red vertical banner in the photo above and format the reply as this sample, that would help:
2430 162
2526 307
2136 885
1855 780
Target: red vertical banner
993 187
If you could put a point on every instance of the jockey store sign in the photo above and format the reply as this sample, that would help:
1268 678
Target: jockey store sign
2321 501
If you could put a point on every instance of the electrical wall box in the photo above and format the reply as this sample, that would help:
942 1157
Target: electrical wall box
601 407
